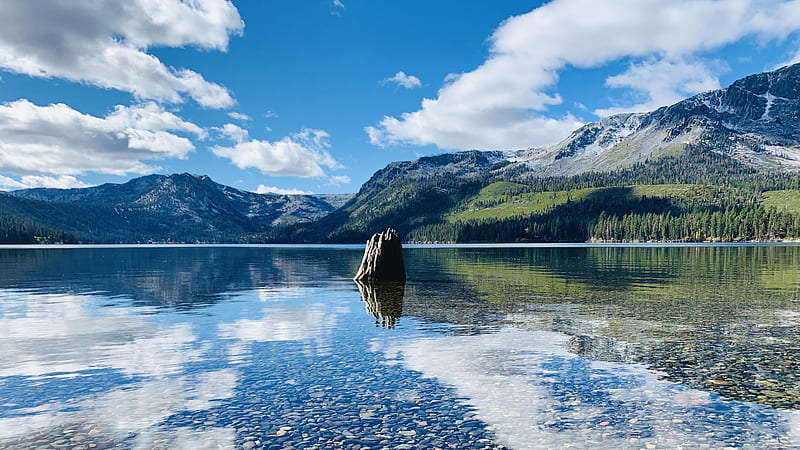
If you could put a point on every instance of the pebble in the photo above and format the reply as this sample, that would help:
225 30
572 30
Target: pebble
338 403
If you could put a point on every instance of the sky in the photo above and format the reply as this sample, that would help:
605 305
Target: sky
314 96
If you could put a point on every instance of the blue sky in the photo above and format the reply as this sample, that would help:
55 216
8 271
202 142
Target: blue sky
316 95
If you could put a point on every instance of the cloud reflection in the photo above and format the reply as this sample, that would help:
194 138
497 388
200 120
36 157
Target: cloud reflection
277 324
93 360
535 394
47 337
137 410
63 334
286 319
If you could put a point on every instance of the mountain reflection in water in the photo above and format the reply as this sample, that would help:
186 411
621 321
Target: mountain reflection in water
537 347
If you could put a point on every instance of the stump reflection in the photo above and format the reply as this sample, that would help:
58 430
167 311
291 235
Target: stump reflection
383 301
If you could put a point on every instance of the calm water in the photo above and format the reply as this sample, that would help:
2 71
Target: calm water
582 347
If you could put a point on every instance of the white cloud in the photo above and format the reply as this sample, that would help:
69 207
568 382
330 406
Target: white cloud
503 103
239 116
233 132
337 7
152 117
276 190
337 180
104 43
271 114
33 181
302 154
662 82
404 80
793 60
58 140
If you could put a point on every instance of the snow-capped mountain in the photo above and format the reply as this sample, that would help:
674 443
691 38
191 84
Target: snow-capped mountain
756 120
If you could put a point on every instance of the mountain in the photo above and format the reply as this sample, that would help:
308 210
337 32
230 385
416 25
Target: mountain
721 165
735 136
756 120
404 195
179 208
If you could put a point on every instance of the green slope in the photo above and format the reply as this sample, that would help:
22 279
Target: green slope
783 200
698 195
504 200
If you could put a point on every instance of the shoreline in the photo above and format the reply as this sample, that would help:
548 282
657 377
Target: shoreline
588 244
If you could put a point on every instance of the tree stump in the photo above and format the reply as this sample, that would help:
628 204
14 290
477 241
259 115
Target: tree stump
383 259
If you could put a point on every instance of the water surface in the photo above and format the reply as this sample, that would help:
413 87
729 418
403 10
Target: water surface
275 347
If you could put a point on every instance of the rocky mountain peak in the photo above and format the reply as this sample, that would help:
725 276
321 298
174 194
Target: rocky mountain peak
756 119
180 205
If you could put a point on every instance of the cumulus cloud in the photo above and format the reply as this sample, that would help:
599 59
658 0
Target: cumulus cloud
404 80
104 43
152 117
233 132
33 181
276 190
503 104
58 140
239 116
663 82
303 154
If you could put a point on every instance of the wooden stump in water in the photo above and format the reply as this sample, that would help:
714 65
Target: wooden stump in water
383 259
384 301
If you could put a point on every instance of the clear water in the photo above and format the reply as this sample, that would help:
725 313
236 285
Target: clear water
275 347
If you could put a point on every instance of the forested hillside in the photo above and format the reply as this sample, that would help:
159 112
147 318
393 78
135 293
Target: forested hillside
695 196
722 165
180 208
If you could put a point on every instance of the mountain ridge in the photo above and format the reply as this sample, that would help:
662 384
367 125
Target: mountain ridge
745 138
756 120
744 131
178 207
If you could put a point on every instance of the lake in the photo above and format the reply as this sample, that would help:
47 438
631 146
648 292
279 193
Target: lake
484 347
